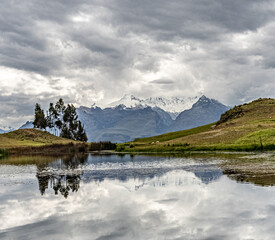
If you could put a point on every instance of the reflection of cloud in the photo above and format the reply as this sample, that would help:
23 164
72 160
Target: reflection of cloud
219 210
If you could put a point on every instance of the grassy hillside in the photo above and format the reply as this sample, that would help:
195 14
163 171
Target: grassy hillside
29 137
245 127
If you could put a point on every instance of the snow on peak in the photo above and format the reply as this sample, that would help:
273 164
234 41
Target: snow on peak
128 101
173 105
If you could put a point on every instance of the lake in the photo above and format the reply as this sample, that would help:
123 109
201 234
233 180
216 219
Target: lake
108 196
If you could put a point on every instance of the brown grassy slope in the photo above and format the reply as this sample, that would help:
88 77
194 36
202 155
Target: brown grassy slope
257 117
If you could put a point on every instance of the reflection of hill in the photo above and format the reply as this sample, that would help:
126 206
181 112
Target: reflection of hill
257 178
256 169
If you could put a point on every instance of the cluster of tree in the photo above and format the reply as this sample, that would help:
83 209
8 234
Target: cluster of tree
60 120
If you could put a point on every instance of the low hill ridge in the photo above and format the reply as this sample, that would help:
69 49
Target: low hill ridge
29 137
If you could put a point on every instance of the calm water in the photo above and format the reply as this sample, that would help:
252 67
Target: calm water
138 197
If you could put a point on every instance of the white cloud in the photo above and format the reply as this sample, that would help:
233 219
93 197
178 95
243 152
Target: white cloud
100 50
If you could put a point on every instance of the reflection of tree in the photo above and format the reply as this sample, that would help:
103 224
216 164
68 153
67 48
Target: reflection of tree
43 182
61 175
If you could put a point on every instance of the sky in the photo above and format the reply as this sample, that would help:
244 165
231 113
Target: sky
89 51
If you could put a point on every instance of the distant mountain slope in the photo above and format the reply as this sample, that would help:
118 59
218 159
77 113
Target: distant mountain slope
246 127
122 124
203 112
28 124
174 105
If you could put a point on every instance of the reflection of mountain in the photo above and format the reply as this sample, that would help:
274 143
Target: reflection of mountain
64 174
209 176
205 173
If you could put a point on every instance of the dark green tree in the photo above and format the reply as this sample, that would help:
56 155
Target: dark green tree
60 106
81 134
66 133
51 116
63 118
58 113
70 119
40 120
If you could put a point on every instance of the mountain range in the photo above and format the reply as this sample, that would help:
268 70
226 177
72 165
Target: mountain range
132 117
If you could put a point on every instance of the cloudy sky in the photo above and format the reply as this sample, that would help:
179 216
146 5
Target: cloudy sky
88 51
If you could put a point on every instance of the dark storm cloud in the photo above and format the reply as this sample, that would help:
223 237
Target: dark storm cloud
97 48
192 19
28 28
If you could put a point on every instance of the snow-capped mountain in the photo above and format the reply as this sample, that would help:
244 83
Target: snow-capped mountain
174 105
204 111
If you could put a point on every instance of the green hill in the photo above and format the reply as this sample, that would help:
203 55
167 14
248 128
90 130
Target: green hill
29 141
246 127
29 137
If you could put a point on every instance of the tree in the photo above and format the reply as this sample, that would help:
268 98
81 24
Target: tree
63 118
81 134
66 133
60 106
70 119
40 120
51 116
58 113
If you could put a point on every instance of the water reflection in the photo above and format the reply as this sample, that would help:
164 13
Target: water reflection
65 174
109 197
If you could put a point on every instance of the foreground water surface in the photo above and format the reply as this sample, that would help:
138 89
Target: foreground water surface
198 196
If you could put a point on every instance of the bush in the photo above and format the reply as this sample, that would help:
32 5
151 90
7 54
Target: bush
102 146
